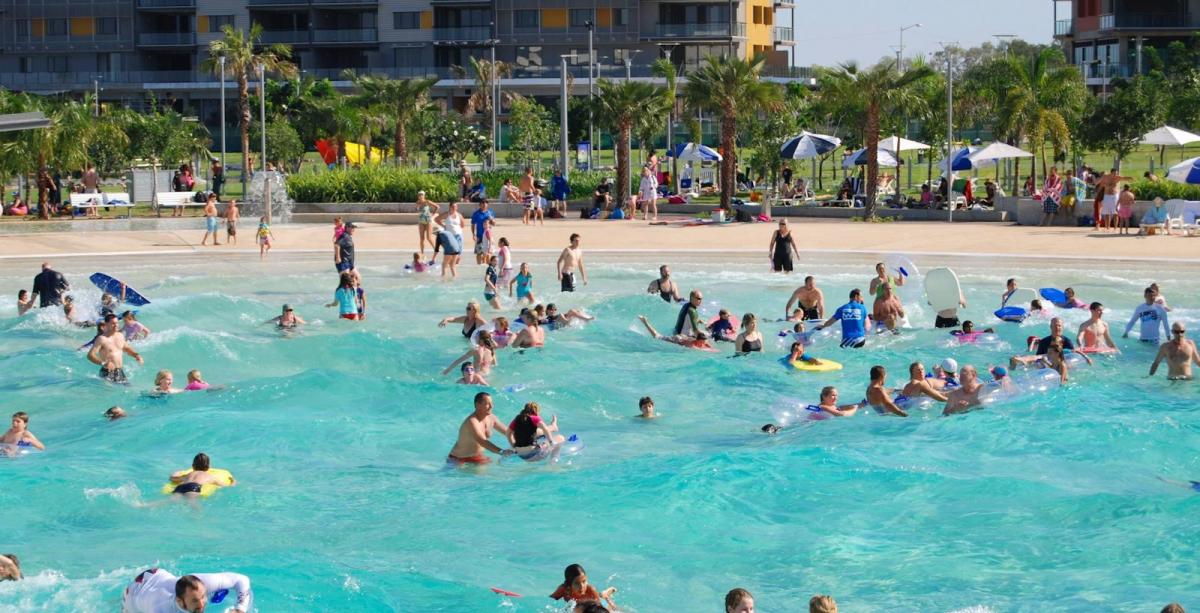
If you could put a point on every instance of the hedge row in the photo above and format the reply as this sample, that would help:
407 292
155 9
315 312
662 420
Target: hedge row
1167 190
390 184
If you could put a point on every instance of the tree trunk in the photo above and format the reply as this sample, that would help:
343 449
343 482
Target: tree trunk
728 159
244 108
622 192
872 182
398 144
43 211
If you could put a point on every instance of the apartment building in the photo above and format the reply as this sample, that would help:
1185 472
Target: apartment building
125 48
1109 38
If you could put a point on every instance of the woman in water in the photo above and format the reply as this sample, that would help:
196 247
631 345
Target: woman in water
162 383
750 340
918 385
524 283
287 319
575 587
470 322
530 436
132 328
483 355
24 302
426 211
782 247
505 258
452 220
881 278
532 334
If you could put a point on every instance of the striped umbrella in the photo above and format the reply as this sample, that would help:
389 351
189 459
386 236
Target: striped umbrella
1187 171
808 145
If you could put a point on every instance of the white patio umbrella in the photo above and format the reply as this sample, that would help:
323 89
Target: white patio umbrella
998 151
1167 136
896 144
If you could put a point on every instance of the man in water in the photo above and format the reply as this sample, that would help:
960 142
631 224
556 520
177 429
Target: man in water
532 334
948 318
158 591
1179 352
879 396
343 250
689 317
855 321
49 285
887 307
1043 345
966 396
1093 333
570 259
469 376
1151 314
1009 288
108 351
810 298
474 433
666 289
19 435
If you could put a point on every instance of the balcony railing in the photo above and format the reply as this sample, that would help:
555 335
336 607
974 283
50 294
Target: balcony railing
166 4
15 80
1064 27
166 39
473 33
1095 70
1151 21
259 3
285 36
336 2
701 30
364 35
784 34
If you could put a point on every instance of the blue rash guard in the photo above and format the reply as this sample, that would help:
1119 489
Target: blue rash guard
853 316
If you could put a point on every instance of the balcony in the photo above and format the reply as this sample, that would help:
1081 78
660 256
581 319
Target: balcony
467 34
1064 27
166 4
291 37
166 39
347 35
1149 21
275 3
700 30
337 3
784 36
108 80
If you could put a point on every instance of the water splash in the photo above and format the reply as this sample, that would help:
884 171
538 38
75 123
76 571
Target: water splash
281 204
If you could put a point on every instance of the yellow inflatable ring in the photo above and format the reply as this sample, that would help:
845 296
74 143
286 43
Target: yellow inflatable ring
206 489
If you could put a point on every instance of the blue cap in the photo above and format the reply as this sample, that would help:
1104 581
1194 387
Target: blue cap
999 372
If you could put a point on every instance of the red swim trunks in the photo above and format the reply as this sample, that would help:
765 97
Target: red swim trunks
475 459
351 316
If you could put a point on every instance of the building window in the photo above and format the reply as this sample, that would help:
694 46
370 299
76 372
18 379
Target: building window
620 17
21 28
409 57
106 26
56 63
216 22
580 17
525 19
23 65
56 27
406 20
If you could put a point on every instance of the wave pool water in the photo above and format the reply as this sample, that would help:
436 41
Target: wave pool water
337 436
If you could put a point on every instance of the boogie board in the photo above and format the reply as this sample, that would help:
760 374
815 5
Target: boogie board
1021 297
113 286
1012 313
824 366
1056 296
942 289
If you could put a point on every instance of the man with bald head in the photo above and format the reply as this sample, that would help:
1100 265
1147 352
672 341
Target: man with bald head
49 285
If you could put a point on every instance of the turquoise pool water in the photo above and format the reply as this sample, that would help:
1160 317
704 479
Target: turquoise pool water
337 436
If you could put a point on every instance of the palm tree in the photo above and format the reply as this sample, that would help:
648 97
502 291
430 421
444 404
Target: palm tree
620 105
1040 102
878 90
485 73
729 87
243 55
665 69
404 97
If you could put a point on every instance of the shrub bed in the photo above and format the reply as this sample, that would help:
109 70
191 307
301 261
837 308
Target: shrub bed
390 184
1167 190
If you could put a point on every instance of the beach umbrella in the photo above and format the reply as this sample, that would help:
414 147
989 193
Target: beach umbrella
962 160
896 144
808 145
998 151
858 158
1187 171
692 152
1167 135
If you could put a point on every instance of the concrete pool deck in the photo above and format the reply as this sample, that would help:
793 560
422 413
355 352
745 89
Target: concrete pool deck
812 235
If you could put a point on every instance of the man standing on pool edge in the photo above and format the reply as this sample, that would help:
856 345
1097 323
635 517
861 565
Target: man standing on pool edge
571 257
474 433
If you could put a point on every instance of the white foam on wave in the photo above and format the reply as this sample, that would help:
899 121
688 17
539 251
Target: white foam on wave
124 493
974 609
219 338
50 590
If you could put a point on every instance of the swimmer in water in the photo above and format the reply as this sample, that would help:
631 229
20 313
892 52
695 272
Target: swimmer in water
483 355
1094 333
855 321
945 374
1000 378
19 435
524 284
132 328
491 281
114 413
24 302
809 298
723 328
1179 352
10 567
750 340
1010 286
162 383
470 377
881 278
879 396
697 341
532 437
108 352
157 591
666 289
796 354
68 307
829 404
195 382
1159 299
968 329
470 322
532 335
966 397
575 587
501 333
417 265
918 385
288 319
556 320
1055 358
887 308
188 485
474 433
646 408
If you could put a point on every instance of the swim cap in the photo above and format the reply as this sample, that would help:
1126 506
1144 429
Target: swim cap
999 372
949 365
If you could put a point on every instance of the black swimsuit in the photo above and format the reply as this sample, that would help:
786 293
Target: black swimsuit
810 313
187 488
748 346
782 258
467 333
665 295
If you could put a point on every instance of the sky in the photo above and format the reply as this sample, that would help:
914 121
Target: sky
832 32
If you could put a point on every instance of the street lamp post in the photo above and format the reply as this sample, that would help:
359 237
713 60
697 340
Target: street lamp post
562 117
262 124
96 87
629 62
948 47
900 49
495 94
667 49
591 27
221 60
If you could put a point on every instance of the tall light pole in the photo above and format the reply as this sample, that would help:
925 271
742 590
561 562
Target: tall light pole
900 49
948 48
262 112
629 62
221 60
591 27
96 94
667 49
562 117
495 94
